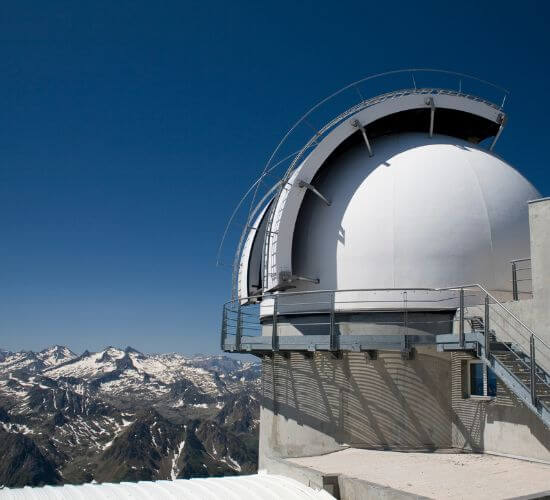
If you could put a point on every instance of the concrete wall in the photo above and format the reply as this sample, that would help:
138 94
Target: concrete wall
501 425
317 405
539 224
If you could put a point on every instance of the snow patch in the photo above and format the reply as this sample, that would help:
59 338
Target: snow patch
177 453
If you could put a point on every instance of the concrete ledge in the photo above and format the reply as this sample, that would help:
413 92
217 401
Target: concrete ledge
305 475
357 489
397 475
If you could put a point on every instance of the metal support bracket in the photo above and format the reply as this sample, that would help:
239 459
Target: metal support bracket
307 185
332 324
533 371
305 278
357 124
286 277
502 121
487 327
407 354
515 295
239 330
461 336
274 332
430 102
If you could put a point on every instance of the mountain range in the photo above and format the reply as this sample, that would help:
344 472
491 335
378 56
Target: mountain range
121 415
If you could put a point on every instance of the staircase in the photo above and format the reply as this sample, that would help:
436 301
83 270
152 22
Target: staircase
513 367
507 356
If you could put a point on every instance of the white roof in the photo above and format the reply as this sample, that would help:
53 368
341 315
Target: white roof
260 486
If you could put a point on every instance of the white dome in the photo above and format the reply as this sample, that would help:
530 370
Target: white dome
422 212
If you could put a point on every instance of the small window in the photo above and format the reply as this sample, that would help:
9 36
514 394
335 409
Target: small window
483 382
476 379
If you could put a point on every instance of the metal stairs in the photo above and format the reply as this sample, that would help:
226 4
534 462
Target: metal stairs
513 368
516 368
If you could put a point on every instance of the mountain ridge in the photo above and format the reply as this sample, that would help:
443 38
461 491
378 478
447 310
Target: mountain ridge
119 414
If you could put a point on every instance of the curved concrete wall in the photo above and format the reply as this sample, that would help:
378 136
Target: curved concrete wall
317 405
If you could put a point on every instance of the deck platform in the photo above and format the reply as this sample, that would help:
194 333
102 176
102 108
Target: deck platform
401 475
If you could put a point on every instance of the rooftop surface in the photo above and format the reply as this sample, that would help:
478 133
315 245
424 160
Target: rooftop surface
436 475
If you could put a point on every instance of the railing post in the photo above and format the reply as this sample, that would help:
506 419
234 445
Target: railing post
239 331
224 328
274 333
515 295
533 371
405 344
332 330
487 328
461 337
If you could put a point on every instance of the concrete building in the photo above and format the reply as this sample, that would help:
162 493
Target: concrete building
396 284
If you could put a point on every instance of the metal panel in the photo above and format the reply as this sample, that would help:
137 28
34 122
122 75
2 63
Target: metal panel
259 486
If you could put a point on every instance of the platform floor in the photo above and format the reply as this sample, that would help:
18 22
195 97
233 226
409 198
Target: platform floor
436 475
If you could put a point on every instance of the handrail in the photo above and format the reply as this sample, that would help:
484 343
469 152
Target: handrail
515 280
306 292
482 288
451 288
233 325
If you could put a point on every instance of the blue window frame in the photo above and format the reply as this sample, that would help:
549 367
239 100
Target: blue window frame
483 382
476 379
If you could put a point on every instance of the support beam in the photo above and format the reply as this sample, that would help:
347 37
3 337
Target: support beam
239 329
307 185
533 371
486 324
502 121
305 278
274 333
515 295
461 336
357 124
408 354
430 102
332 323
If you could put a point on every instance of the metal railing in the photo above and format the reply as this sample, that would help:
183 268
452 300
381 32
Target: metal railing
521 277
319 320
319 120
508 333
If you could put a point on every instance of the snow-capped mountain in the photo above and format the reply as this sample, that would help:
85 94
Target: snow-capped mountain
119 414
34 361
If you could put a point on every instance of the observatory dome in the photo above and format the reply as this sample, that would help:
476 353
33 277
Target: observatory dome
421 212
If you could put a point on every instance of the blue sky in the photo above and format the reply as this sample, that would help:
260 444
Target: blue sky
128 131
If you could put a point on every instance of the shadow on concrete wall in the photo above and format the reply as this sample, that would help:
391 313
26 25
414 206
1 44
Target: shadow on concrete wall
386 403
472 416
320 402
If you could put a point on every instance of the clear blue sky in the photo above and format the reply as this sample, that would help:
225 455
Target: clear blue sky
129 129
